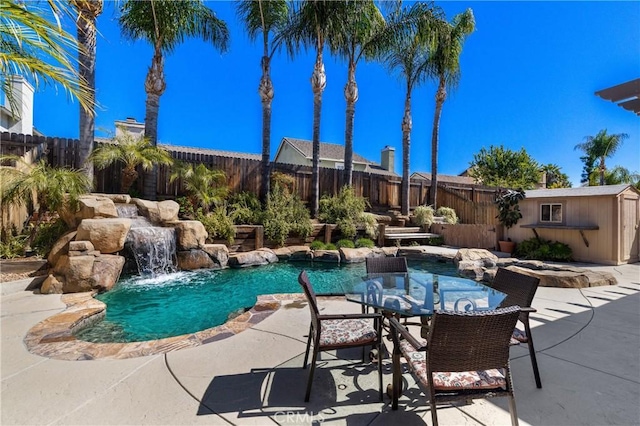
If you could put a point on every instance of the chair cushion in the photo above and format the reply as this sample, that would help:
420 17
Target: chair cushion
518 336
346 332
483 379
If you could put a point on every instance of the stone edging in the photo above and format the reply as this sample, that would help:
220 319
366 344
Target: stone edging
54 338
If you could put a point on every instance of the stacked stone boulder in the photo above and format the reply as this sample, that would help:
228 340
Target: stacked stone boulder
89 257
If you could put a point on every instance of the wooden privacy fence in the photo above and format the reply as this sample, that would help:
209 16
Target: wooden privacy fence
462 235
473 204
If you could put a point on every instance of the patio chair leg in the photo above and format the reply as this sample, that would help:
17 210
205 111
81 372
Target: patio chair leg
512 411
311 371
306 354
380 370
532 355
434 413
396 383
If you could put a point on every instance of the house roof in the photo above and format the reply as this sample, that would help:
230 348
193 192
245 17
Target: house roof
583 191
328 151
466 180
626 95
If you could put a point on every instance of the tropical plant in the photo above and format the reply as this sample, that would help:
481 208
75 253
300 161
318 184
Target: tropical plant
35 46
363 35
285 214
503 167
87 15
41 187
205 187
508 209
619 175
266 19
370 224
554 177
423 215
444 66
13 246
599 147
448 214
165 24
409 57
131 151
315 22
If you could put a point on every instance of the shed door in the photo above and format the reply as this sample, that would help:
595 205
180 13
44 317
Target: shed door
630 230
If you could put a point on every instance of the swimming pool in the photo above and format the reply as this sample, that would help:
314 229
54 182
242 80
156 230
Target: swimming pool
140 309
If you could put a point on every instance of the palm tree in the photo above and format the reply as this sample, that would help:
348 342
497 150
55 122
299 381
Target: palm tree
165 24
601 146
314 23
131 152
38 49
554 176
410 57
445 67
88 11
206 187
48 188
266 18
619 175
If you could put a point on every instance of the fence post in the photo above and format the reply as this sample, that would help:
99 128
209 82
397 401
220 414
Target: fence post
382 229
259 237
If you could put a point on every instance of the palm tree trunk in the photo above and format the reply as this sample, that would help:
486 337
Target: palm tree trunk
88 11
441 95
154 86
266 95
407 124
318 84
602 169
351 96
129 175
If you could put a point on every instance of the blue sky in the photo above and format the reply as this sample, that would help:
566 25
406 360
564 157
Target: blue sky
529 73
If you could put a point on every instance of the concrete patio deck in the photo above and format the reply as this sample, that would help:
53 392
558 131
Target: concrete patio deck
588 343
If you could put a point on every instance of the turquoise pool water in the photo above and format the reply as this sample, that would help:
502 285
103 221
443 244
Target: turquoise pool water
141 309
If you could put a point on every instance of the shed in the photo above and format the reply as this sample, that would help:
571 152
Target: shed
599 223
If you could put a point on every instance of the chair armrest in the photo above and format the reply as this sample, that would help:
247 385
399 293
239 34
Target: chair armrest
528 309
349 316
406 335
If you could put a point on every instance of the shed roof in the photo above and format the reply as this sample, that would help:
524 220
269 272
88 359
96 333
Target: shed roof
583 191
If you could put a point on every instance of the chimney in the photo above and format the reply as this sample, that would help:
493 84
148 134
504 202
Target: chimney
20 118
129 125
388 157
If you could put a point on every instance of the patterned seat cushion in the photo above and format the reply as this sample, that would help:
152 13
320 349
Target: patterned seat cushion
518 336
346 332
484 379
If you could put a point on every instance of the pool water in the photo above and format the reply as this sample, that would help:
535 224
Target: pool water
140 309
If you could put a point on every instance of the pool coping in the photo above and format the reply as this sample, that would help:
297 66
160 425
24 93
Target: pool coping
54 337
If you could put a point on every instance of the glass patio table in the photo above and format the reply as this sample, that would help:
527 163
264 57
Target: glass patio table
419 294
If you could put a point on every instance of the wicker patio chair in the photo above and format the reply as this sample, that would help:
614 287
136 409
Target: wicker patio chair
466 356
381 265
329 332
520 290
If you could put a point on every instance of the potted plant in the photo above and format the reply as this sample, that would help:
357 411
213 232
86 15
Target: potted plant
508 213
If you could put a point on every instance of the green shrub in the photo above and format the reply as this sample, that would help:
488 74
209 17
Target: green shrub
13 246
541 249
330 246
370 224
47 235
448 213
245 209
285 214
365 242
435 241
186 208
345 243
317 245
345 210
423 216
218 224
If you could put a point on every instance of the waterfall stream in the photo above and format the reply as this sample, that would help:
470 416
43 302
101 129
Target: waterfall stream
152 247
